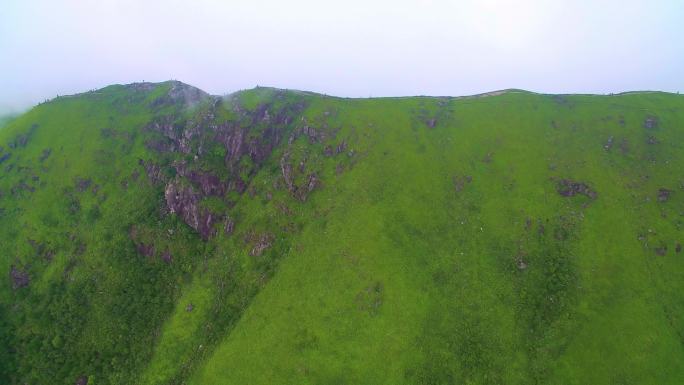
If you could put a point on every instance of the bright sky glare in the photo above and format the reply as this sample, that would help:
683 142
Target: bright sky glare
355 48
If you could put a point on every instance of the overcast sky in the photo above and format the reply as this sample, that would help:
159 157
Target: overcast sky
345 47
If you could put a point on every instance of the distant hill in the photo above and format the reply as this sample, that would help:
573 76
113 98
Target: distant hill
156 234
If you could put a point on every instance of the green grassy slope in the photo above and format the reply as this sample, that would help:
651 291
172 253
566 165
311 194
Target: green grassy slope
153 234
5 118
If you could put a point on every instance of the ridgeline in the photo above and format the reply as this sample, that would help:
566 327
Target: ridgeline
155 234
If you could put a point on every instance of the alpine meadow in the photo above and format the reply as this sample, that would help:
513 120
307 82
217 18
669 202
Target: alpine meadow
155 234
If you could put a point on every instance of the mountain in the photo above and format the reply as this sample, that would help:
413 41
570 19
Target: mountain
5 118
156 234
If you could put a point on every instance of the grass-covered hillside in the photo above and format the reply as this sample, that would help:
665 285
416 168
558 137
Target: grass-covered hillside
5 118
154 234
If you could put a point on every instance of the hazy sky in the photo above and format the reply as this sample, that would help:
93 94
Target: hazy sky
344 47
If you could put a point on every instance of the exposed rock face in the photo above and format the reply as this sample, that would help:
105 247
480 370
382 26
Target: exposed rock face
45 154
160 145
41 249
20 187
521 264
569 188
238 143
664 194
314 135
208 183
82 184
229 226
286 170
263 242
166 256
22 140
254 134
301 191
235 136
153 171
146 250
341 147
312 182
461 181
651 122
179 136
19 277
4 157
184 201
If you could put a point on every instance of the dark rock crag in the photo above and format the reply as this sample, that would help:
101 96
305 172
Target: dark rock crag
185 201
569 188
19 277
255 134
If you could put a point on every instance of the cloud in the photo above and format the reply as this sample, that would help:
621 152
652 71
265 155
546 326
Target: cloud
347 48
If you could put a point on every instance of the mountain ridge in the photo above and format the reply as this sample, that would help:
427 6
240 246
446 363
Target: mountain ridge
156 234
481 94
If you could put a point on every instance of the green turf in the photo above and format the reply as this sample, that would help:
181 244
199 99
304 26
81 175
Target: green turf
436 248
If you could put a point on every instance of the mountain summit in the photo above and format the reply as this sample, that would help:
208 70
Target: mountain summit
156 234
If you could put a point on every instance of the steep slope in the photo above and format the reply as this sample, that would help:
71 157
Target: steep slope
109 200
155 234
